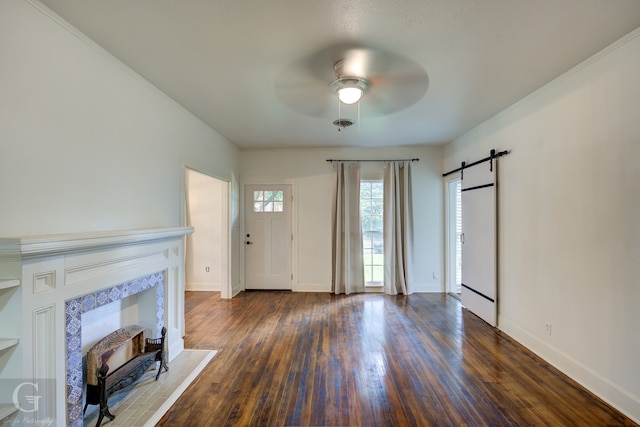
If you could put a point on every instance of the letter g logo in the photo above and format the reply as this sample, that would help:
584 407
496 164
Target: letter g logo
23 390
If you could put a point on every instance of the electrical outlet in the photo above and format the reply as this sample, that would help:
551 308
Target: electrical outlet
547 328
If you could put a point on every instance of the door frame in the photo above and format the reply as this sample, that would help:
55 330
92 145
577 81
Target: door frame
226 291
266 180
450 235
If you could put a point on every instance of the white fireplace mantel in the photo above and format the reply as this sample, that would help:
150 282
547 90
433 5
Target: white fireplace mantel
41 275
60 244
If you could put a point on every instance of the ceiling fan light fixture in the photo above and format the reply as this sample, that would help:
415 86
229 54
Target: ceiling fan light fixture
349 95
350 89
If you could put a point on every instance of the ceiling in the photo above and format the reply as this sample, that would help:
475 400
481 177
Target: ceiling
235 63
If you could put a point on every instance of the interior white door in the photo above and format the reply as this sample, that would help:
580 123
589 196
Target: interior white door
267 239
479 235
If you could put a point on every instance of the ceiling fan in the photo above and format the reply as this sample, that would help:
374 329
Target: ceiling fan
385 82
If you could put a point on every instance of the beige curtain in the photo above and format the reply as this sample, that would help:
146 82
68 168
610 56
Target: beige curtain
348 269
398 228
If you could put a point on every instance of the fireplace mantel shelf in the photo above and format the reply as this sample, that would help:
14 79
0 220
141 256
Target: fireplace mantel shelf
58 244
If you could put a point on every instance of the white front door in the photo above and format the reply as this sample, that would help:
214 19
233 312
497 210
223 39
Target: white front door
267 239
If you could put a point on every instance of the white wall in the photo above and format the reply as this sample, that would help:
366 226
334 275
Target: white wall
86 144
568 218
206 249
313 180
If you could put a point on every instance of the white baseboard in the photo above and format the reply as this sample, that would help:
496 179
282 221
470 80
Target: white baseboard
175 348
312 287
428 288
203 287
623 400
236 290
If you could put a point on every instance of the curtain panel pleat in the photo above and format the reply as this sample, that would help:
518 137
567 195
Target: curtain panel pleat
348 268
398 228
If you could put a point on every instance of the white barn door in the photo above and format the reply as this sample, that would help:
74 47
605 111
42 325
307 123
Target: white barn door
479 236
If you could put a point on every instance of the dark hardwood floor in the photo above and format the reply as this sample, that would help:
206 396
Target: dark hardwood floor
314 359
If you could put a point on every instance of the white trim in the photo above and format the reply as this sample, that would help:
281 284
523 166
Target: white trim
226 288
6 284
60 244
312 287
436 287
175 348
203 287
449 252
6 343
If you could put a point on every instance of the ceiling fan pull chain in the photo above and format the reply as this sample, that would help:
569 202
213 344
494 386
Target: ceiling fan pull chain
339 115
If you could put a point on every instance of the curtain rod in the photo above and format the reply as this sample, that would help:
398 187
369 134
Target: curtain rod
395 160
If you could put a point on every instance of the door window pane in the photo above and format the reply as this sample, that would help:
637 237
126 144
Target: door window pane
268 201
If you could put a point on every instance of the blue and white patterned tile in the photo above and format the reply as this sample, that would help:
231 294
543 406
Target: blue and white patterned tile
75 384
74 393
88 302
134 286
74 326
114 294
160 317
125 290
75 414
68 319
73 307
102 298
74 343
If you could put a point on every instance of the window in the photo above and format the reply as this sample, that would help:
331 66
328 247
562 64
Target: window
454 233
268 201
371 213
458 284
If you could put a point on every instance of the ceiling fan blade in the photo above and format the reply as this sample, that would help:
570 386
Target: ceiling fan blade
306 99
300 89
395 82
393 93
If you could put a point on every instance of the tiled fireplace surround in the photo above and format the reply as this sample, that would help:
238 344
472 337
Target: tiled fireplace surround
64 276
75 308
